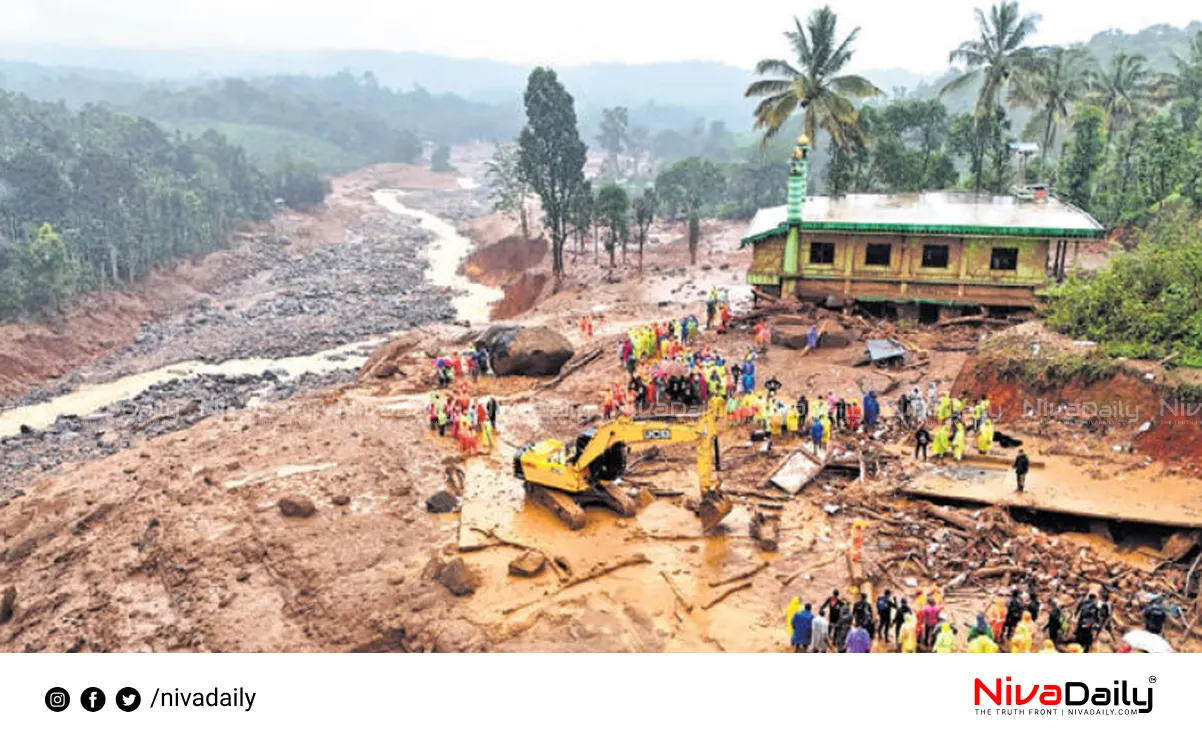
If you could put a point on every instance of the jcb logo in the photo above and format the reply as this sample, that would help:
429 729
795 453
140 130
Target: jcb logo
661 434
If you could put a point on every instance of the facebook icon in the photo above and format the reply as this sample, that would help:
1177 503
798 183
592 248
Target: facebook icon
92 699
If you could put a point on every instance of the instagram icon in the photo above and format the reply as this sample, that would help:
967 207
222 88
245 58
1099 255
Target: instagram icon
57 699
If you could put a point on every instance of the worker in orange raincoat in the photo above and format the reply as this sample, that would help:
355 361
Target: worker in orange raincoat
857 539
997 616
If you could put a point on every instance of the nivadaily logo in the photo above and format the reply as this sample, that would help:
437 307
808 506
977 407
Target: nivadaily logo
1070 697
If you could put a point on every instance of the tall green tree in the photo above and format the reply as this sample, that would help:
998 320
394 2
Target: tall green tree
508 186
692 186
580 217
1185 83
1125 91
552 156
614 137
440 159
814 85
645 207
613 212
46 272
299 183
1086 152
1058 79
638 145
998 55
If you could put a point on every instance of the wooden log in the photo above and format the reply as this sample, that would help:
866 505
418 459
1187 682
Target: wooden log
950 516
741 576
722 596
601 570
789 579
995 571
688 605
972 320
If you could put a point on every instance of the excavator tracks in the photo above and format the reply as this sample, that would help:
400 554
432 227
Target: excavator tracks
569 508
563 505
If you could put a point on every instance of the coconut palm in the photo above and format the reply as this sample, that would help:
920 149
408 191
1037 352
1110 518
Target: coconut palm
814 85
1125 90
1059 77
1185 83
996 56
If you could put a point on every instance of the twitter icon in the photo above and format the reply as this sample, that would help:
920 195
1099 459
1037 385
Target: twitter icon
128 699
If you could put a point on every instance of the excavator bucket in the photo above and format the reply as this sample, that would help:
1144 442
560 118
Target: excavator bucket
714 507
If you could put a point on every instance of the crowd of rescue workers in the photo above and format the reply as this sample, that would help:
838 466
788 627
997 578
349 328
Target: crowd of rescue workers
670 367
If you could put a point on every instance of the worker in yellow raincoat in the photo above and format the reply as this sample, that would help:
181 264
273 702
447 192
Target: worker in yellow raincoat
1028 623
793 607
792 419
945 407
958 405
941 444
908 636
826 430
774 420
1021 640
945 641
982 644
985 436
1049 647
936 595
958 442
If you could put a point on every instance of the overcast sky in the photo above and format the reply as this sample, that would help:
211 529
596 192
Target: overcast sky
914 34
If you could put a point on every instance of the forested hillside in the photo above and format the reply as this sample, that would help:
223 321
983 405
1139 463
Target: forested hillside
91 199
340 121
361 120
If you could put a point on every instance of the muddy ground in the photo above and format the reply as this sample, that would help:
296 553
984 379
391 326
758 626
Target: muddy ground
299 522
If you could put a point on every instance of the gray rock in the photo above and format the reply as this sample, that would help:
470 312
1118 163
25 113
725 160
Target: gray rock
297 507
442 502
458 578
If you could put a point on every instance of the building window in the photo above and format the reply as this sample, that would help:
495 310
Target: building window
877 254
822 253
1004 259
934 256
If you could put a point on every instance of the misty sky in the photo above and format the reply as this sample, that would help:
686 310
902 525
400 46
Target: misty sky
914 34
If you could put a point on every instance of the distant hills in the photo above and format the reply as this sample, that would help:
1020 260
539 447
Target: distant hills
675 92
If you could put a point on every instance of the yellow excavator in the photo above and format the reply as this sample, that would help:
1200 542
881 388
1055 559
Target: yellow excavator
565 478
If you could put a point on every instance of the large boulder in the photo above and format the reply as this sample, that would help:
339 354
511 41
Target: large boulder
532 351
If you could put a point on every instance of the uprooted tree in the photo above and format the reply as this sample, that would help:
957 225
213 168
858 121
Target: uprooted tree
551 156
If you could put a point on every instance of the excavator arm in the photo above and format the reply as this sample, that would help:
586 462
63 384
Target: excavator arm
600 457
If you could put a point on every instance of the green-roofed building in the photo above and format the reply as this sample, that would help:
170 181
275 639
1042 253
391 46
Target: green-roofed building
918 250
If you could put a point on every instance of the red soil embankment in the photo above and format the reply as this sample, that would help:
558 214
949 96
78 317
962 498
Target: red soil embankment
510 263
1114 409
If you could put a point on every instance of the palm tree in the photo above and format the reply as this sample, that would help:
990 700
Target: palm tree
996 56
992 59
1185 84
814 85
1125 90
1060 77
